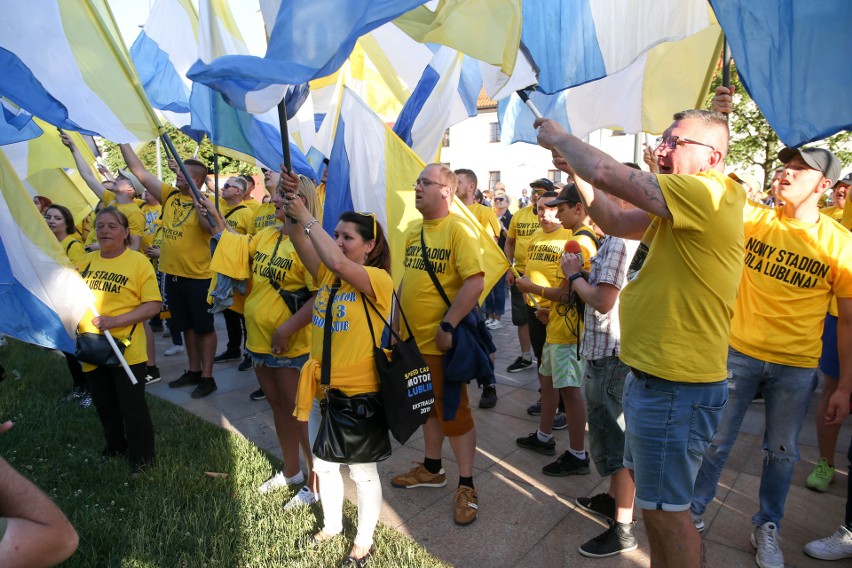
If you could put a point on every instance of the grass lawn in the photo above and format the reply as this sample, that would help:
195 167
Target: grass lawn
175 515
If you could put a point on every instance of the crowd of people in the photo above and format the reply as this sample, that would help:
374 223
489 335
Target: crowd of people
655 307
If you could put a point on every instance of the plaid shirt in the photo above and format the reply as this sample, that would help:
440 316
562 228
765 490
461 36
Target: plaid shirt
602 333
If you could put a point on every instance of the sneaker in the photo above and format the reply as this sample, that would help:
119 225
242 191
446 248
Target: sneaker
519 365
560 421
765 539
467 505
174 350
246 365
495 324
257 395
567 464
488 322
601 504
86 400
302 498
532 442
618 538
535 409
280 480
420 477
206 385
821 477
76 393
152 375
489 397
698 521
835 547
186 379
227 356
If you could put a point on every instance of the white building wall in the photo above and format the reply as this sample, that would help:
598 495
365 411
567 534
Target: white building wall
519 163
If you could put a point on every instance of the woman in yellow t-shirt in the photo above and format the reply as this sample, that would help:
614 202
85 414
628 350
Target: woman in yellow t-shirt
125 295
358 258
276 272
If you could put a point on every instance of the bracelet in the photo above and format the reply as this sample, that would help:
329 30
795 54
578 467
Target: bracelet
542 292
308 227
574 277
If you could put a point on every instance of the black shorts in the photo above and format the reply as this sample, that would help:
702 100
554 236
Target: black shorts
188 304
519 308
538 333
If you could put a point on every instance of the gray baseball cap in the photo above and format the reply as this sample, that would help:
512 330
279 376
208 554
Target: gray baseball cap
819 159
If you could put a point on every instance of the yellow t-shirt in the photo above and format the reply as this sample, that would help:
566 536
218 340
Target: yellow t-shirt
676 313
453 250
268 253
135 218
487 218
240 217
120 285
846 219
252 203
543 256
567 329
792 269
152 223
186 243
264 216
522 227
351 342
73 248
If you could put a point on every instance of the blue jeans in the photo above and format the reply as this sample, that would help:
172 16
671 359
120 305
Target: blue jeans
669 427
495 301
786 393
604 388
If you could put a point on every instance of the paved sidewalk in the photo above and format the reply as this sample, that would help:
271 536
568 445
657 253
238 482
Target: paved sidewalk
527 518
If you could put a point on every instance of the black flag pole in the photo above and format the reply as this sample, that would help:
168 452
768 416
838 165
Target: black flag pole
726 65
185 172
216 179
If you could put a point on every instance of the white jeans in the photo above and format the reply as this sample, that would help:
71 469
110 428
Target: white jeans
366 478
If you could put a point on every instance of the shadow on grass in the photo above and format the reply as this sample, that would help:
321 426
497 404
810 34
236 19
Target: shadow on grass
175 515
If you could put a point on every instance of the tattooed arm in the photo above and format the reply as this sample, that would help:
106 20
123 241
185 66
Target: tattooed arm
602 171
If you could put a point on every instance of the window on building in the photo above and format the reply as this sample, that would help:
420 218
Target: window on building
494 132
555 176
446 140
493 178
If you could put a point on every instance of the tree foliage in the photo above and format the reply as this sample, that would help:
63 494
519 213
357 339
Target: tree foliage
753 141
186 147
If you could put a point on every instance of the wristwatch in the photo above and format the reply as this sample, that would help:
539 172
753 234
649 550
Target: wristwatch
308 227
574 277
445 326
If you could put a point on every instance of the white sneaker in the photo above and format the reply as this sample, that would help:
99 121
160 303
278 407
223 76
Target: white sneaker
303 498
698 521
835 547
496 324
174 350
766 540
280 480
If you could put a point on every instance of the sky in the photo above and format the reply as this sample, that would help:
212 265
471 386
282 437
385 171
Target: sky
131 14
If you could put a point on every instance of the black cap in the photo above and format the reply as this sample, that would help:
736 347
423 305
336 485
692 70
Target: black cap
542 183
845 180
569 194
545 196
819 159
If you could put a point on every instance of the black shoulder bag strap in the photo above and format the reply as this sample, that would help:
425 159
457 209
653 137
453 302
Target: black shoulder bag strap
395 335
325 367
431 271
234 210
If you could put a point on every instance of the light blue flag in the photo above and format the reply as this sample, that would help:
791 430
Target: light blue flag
16 125
792 58
310 39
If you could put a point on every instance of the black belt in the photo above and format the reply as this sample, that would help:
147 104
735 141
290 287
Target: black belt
642 374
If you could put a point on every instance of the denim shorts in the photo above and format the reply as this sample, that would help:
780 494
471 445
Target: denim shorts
561 363
669 426
604 387
273 362
829 362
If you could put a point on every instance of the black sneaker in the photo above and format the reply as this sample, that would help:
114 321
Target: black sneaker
227 356
519 365
532 442
152 375
489 397
567 464
601 504
206 385
76 393
257 395
535 409
616 539
186 379
246 365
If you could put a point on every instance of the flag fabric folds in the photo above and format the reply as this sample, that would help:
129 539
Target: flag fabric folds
309 39
642 97
64 62
371 169
43 297
789 56
16 125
